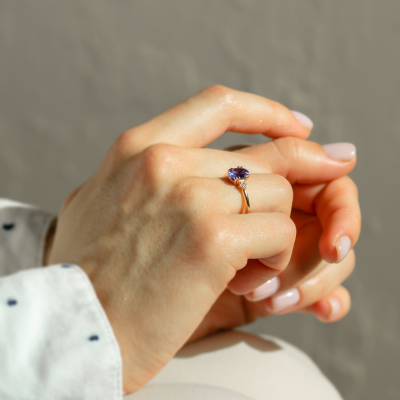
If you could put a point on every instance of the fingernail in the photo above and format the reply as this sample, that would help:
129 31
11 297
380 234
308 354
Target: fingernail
303 119
340 151
343 246
335 307
285 300
266 290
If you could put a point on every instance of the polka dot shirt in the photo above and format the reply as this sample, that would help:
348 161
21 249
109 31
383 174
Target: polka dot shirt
55 339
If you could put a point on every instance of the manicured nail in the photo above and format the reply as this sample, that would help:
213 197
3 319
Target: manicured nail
335 307
285 300
343 246
303 119
266 290
340 151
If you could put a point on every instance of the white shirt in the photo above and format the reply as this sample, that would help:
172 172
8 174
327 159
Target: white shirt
56 342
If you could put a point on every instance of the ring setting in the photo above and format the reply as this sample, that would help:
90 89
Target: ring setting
239 177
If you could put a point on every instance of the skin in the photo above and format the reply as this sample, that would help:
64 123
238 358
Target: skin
322 212
157 228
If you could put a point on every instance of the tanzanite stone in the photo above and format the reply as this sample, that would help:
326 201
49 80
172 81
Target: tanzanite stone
238 173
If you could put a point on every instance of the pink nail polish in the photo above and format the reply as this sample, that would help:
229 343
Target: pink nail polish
303 119
335 307
284 300
340 151
266 290
343 246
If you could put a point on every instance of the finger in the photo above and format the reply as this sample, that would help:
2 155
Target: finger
267 193
205 116
304 197
305 162
257 281
312 290
305 261
333 307
339 212
266 237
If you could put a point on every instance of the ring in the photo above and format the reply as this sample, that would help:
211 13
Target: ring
239 177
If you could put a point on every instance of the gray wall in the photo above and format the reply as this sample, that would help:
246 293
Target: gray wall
75 74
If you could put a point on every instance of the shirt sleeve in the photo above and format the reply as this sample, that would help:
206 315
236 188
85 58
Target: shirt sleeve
55 339
23 230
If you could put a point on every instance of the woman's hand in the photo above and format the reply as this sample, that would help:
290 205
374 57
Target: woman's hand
325 209
157 229
321 295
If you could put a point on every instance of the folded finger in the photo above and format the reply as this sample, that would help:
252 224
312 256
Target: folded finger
339 212
313 290
333 307
268 237
205 116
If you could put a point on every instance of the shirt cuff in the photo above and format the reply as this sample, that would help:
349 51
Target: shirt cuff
23 231
55 339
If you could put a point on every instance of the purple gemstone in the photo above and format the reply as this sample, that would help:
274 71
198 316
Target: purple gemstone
238 173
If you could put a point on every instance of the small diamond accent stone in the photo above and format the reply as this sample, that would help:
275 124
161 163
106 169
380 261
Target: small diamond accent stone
238 173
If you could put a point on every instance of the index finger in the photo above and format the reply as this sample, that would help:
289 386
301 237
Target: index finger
205 116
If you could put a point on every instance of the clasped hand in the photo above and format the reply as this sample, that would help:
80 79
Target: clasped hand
158 228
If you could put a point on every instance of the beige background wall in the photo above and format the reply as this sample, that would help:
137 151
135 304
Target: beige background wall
74 74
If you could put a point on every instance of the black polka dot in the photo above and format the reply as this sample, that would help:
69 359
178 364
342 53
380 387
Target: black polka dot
65 265
8 227
93 338
12 302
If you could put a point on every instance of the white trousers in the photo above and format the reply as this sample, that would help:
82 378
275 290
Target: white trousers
235 365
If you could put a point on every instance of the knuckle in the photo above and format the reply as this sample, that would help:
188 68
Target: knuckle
321 286
350 185
215 234
158 161
288 228
288 145
220 94
317 287
122 147
284 191
208 234
277 109
263 165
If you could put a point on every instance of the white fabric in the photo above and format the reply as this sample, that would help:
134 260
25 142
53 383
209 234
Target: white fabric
22 243
257 367
182 391
55 340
